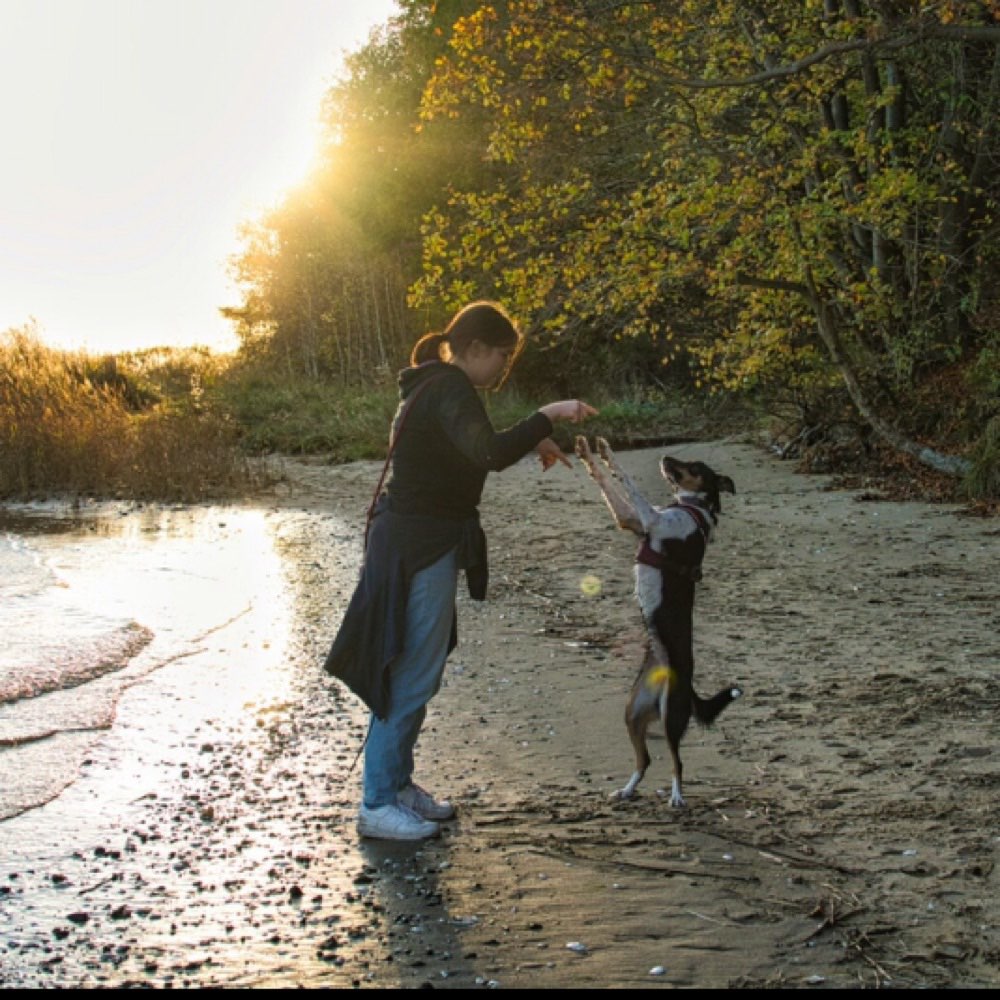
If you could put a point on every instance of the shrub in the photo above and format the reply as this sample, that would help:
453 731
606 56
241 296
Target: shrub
64 432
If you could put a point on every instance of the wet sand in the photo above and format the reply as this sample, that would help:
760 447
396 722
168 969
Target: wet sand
842 821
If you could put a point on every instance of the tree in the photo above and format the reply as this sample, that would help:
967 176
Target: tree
802 190
324 276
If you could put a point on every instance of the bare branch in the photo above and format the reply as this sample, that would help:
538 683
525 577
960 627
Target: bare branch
774 284
944 32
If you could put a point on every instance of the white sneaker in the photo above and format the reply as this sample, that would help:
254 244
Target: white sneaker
424 804
394 823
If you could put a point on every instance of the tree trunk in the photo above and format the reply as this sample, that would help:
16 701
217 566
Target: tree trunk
826 326
951 465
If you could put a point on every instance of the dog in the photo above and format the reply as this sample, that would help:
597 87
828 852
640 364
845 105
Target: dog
668 564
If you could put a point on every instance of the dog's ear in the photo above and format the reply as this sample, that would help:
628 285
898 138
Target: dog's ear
726 485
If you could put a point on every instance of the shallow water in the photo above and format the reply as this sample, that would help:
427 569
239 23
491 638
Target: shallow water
94 602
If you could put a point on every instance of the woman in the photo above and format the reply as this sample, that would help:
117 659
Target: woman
400 625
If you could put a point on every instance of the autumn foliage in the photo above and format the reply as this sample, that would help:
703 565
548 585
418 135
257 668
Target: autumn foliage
795 200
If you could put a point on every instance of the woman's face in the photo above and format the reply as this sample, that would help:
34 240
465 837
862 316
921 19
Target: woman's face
484 364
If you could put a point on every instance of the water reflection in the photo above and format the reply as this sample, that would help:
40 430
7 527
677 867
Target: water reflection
202 587
210 839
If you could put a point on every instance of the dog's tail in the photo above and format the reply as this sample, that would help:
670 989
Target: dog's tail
707 710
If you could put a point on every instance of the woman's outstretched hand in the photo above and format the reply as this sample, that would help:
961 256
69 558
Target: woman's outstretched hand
549 453
573 410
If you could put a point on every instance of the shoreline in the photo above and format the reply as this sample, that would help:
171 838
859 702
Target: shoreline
841 827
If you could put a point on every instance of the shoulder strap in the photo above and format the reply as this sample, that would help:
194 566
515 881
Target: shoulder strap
392 447
648 556
699 514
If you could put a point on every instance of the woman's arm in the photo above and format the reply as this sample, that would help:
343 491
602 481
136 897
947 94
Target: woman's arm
467 425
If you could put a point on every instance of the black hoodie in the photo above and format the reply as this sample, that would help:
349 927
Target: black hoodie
448 444
429 507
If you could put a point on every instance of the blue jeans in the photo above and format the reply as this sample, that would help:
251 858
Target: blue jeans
414 678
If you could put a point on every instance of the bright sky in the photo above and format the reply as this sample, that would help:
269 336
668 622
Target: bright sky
135 136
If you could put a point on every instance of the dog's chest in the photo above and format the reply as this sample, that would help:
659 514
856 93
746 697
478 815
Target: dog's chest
648 589
667 573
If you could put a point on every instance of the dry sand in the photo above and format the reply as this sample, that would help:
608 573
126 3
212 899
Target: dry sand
841 827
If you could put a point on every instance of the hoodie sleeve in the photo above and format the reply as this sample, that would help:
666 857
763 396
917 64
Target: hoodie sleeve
466 424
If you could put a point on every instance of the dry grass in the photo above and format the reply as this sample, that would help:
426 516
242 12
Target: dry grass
62 432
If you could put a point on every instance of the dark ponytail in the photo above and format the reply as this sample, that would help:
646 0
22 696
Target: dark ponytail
427 348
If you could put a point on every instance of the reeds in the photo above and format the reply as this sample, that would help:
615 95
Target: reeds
66 430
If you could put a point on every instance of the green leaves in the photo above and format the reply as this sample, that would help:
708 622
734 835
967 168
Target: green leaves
767 196
754 169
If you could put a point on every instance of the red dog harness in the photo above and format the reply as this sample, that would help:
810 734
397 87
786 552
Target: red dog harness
648 556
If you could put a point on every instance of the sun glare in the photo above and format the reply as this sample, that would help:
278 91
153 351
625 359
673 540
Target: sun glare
138 136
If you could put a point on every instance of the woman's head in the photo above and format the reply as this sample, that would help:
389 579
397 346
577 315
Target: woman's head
478 326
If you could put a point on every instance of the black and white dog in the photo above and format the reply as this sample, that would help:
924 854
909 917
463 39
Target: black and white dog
668 565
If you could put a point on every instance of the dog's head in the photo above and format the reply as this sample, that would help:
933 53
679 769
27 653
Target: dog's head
697 477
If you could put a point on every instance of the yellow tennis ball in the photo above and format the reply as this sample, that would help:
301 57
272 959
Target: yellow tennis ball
659 676
590 585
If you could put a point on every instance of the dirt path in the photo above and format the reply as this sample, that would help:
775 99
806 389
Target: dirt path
842 821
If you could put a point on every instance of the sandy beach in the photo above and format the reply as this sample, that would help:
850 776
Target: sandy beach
842 820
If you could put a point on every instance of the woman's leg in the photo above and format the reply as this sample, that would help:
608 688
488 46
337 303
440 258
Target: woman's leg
413 680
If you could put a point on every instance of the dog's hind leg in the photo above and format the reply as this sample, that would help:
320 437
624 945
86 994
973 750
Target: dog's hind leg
637 733
638 737
676 782
639 712
675 725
